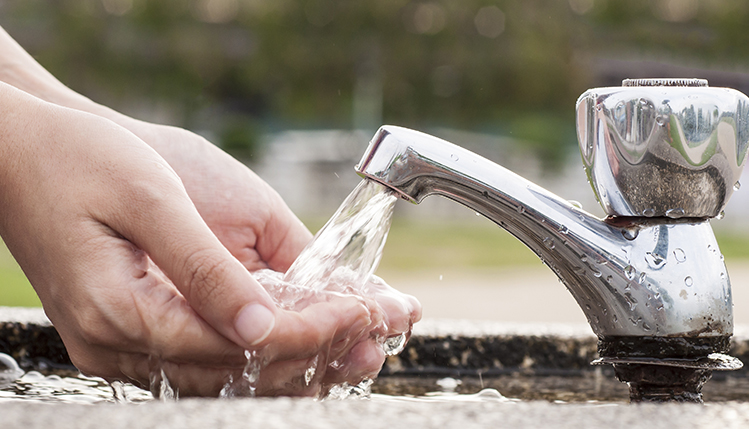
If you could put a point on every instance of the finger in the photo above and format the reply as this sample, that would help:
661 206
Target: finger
183 379
401 310
153 211
283 238
134 307
331 325
365 360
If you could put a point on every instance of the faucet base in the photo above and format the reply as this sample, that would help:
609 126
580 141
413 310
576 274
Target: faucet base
657 383
666 369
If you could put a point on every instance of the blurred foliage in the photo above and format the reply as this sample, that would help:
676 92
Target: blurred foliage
505 66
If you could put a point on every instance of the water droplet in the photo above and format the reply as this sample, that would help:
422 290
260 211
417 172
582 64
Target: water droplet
576 204
688 281
641 279
521 209
630 233
609 279
648 212
599 107
737 186
579 270
661 120
721 215
675 213
563 229
596 273
646 327
644 101
454 157
587 306
722 276
394 345
549 243
630 272
680 255
584 259
655 261
631 301
605 312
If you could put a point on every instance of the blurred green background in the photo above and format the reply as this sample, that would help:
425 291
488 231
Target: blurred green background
237 70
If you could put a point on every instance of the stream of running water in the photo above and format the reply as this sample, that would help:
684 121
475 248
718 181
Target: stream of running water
341 259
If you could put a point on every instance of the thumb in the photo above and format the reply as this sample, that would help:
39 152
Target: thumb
152 210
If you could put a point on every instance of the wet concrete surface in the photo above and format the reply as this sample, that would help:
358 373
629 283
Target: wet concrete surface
519 351
375 414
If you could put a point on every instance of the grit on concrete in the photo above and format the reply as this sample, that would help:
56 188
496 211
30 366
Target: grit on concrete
302 413
529 294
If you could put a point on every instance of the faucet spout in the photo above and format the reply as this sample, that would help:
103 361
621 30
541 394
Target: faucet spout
644 278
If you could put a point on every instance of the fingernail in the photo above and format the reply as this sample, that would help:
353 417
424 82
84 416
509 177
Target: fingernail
254 323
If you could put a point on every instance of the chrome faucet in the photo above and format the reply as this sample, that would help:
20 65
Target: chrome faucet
663 157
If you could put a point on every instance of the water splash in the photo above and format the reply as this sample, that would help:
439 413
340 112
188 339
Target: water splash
341 259
347 250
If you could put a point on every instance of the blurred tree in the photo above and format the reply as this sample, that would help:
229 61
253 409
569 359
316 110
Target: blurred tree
507 66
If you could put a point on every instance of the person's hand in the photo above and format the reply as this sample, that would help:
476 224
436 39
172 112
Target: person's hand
259 229
247 216
87 206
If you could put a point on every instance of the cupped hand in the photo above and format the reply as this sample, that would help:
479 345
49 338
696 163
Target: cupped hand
87 206
259 229
84 206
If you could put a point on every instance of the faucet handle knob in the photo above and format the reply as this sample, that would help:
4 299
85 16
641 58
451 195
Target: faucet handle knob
663 147
668 81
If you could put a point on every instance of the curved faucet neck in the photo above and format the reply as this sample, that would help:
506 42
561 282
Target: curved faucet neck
629 278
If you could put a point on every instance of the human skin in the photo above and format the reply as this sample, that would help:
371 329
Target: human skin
140 239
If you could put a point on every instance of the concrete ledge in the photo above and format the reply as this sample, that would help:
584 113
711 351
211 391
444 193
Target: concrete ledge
438 347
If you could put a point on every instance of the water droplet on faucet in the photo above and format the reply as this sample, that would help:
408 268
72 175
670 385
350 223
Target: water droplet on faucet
688 281
680 255
649 212
737 186
630 272
549 243
721 215
454 157
630 233
675 213
563 229
655 261
641 279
